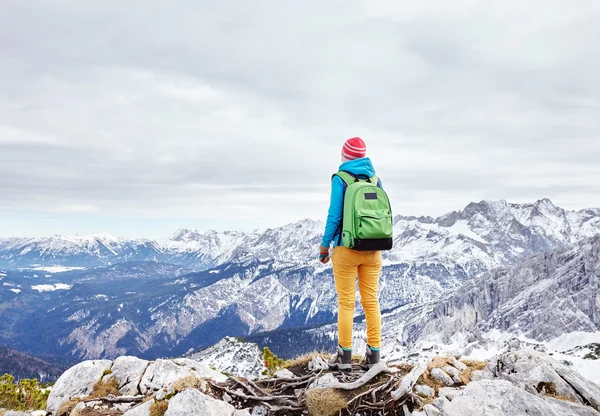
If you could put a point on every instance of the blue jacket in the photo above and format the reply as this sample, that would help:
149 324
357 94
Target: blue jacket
336 203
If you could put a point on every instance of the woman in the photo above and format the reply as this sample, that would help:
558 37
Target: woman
348 264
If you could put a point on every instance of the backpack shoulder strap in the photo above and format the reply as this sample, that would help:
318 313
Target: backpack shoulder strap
347 177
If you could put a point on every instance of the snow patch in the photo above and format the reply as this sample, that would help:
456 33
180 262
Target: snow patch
15 290
57 269
51 288
572 340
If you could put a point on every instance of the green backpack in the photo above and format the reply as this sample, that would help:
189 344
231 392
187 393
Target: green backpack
366 223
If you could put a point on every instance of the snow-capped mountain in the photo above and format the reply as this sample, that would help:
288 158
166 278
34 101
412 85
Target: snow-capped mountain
482 236
250 283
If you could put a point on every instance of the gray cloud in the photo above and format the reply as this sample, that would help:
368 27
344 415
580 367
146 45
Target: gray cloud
216 110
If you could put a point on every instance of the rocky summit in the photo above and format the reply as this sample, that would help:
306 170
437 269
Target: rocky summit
518 381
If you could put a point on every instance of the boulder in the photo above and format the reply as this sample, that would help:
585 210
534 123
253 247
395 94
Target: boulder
141 410
162 374
129 372
317 364
77 381
284 373
441 376
191 402
431 410
460 366
448 392
323 381
453 372
441 403
502 398
425 391
14 413
527 368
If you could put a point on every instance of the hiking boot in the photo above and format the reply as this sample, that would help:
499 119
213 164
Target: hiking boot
342 360
371 358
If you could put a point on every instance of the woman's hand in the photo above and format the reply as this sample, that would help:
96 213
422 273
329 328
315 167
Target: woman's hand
323 254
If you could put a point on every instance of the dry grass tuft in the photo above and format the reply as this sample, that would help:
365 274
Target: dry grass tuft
304 359
548 389
439 362
104 388
158 408
189 382
67 408
475 365
472 365
324 402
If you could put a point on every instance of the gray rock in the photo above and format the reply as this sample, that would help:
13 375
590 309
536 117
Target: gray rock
317 364
162 374
501 398
128 371
141 410
161 394
453 372
260 411
243 412
325 380
431 410
441 376
284 373
514 344
424 390
14 413
191 402
526 368
448 392
441 402
77 381
458 365
480 375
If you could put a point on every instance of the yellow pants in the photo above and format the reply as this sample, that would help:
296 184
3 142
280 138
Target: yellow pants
347 264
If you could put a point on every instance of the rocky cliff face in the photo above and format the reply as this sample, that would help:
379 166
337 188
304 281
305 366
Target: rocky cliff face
547 296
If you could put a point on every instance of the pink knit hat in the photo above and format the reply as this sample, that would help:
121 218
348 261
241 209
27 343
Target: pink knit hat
354 148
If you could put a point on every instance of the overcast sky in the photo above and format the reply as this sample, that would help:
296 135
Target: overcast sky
141 117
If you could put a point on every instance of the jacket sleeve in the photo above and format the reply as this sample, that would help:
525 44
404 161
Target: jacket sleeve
334 215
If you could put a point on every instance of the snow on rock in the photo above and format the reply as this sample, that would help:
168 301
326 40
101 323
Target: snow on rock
51 288
200 370
232 356
128 372
78 381
501 398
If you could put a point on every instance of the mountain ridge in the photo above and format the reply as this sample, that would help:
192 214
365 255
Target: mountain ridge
271 282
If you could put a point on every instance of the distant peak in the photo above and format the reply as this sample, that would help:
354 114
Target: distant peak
104 236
